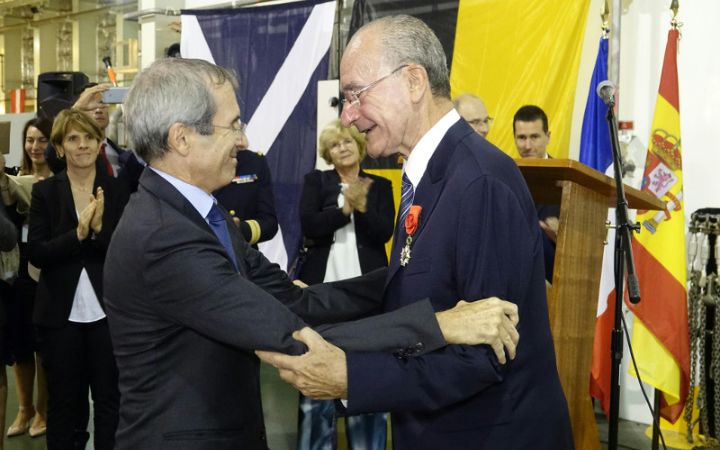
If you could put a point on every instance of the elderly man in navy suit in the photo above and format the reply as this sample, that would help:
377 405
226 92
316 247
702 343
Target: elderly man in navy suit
188 299
470 231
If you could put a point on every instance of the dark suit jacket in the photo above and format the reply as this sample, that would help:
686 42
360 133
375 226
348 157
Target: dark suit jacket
184 323
54 248
320 217
8 240
250 195
543 212
478 236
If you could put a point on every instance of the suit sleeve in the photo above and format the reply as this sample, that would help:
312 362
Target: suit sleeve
47 246
264 224
316 220
378 221
212 298
217 302
494 247
339 310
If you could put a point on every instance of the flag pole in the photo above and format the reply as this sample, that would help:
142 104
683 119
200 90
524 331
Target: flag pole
614 63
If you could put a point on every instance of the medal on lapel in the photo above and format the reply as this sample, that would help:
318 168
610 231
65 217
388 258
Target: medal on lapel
411 223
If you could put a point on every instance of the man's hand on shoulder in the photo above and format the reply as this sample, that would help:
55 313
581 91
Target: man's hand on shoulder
320 373
490 321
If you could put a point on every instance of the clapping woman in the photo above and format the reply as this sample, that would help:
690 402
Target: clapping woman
72 217
346 217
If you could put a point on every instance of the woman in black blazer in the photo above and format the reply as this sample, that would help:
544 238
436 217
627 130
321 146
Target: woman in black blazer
72 217
347 216
372 213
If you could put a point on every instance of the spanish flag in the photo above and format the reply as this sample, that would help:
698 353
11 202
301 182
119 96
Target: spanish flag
660 330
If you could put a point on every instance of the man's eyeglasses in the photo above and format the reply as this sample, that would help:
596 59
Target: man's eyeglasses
353 97
238 127
488 121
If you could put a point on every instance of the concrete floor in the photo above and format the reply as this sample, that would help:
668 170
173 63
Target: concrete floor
280 405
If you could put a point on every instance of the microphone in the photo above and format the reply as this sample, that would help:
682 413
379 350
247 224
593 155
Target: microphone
606 91
110 71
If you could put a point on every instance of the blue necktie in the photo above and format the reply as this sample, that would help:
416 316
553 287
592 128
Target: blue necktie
406 198
218 224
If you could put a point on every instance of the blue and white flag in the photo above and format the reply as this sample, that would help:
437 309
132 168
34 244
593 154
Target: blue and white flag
279 53
595 150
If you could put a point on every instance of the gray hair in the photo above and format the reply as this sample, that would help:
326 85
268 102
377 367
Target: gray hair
408 40
171 90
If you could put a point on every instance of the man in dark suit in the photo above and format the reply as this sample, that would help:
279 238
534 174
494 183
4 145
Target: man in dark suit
188 299
532 136
471 232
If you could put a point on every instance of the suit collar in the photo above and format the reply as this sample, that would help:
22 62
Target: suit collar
423 151
65 190
199 199
119 150
158 186
429 189
162 189
62 177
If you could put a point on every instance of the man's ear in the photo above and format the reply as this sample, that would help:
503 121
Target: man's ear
179 137
417 81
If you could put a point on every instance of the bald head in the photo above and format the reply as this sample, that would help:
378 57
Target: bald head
403 39
473 110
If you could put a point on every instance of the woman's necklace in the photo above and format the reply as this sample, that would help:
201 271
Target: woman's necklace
79 188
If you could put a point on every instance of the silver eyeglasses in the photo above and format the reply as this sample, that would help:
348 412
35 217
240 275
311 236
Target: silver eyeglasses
353 97
476 122
238 127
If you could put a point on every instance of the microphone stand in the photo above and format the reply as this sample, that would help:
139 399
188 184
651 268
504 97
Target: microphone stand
623 260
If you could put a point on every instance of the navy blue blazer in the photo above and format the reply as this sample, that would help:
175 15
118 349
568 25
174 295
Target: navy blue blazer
478 236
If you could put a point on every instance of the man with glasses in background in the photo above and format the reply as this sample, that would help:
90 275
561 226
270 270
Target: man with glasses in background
473 110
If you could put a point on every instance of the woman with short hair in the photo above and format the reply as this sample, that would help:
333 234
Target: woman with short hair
72 217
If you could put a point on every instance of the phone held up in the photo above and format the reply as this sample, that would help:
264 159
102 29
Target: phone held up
115 95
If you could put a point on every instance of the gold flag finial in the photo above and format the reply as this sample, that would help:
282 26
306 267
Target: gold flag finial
605 17
674 6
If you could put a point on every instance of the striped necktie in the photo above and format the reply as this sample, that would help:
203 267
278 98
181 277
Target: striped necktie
407 192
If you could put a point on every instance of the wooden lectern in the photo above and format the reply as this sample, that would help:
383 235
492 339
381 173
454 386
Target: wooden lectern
584 196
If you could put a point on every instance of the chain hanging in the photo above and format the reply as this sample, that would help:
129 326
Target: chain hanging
703 300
